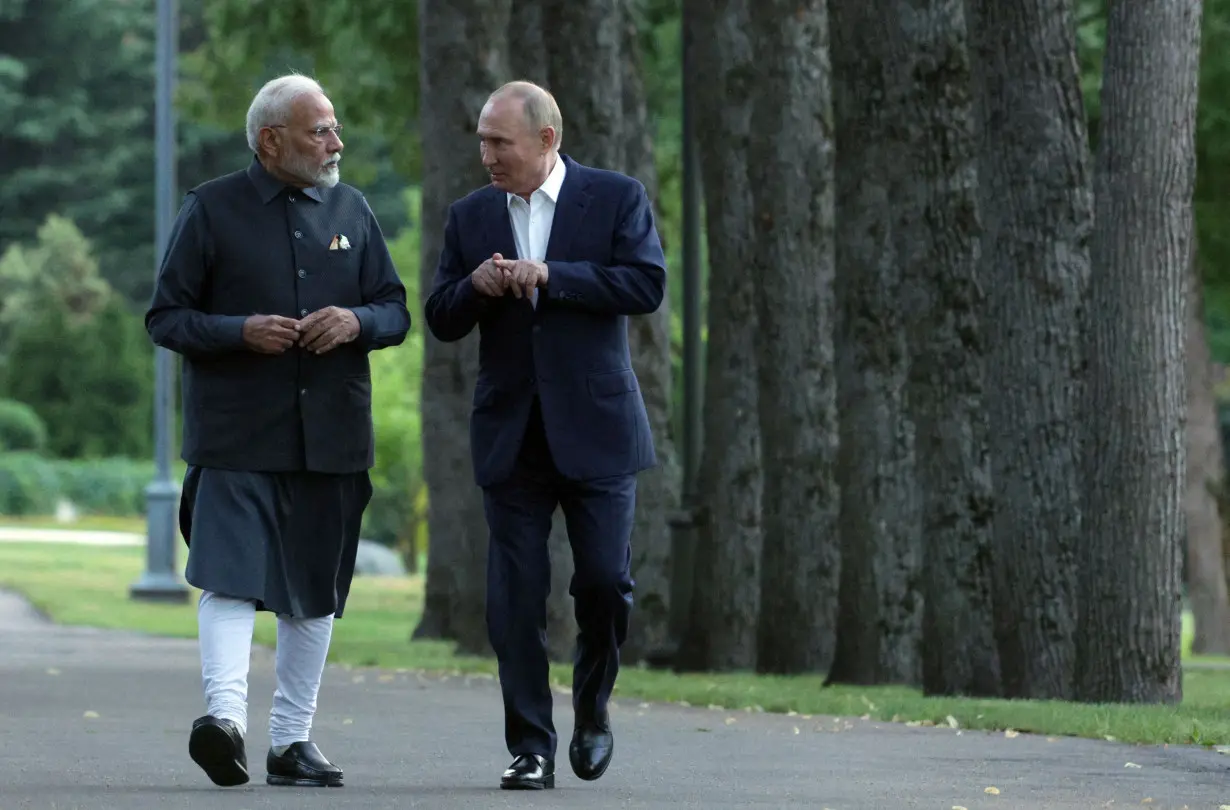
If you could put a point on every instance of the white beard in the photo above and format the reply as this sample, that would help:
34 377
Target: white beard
326 176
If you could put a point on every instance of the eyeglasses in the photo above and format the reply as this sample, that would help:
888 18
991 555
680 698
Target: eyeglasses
318 132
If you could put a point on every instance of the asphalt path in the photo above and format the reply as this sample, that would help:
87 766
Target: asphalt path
97 720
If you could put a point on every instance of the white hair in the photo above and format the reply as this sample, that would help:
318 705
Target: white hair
271 106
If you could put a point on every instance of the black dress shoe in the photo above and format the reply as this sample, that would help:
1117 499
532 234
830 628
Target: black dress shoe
529 772
217 746
592 746
301 766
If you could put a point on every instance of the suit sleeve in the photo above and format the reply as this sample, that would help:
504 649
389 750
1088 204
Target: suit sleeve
174 319
383 318
454 307
634 283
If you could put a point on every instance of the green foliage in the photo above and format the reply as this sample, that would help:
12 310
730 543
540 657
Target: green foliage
395 516
71 350
20 428
31 484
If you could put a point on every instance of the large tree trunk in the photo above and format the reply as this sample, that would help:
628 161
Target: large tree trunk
721 628
455 81
791 174
1128 641
650 338
1036 204
939 215
878 623
1204 561
583 63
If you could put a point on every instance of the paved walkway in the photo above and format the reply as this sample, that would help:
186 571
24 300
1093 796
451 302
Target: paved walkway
98 720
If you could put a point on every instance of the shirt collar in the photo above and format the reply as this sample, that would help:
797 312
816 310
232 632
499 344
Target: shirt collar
270 187
552 185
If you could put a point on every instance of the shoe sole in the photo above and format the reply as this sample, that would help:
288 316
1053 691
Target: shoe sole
528 784
214 750
295 782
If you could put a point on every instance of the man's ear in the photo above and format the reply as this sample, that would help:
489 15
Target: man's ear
548 138
269 142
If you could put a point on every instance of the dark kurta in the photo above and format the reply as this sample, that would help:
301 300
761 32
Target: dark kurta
278 445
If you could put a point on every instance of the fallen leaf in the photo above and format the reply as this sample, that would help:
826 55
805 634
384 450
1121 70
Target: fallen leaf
994 791
362 678
1012 734
792 714
805 716
796 729
52 671
952 722
348 722
386 679
1130 765
1148 800
90 714
731 721
957 807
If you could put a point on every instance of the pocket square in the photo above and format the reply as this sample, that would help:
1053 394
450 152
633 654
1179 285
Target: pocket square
339 242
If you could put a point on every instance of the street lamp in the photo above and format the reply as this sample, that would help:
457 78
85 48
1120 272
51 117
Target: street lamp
161 582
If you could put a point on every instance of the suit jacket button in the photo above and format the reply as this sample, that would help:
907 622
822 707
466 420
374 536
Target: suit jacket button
302 272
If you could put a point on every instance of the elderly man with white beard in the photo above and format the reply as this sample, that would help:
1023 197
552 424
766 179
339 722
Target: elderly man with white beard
275 286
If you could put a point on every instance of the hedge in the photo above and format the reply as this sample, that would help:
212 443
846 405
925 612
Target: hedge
21 429
31 484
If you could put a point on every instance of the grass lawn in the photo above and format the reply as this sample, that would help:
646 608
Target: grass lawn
83 585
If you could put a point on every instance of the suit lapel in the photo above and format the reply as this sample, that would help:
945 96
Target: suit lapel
569 210
499 226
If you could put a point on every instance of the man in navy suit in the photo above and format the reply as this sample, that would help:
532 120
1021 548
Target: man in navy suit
548 261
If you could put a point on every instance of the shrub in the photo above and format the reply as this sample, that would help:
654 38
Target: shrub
28 484
33 485
20 428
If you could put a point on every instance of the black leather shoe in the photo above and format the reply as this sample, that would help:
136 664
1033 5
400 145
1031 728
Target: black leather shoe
301 766
217 746
592 746
529 772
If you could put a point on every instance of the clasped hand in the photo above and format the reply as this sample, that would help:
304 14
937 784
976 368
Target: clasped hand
322 331
497 275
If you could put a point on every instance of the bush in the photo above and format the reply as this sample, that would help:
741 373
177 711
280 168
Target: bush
28 484
20 428
33 485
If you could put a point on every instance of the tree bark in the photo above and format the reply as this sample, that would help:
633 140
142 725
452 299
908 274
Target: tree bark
721 629
1128 640
455 79
939 217
880 610
1204 561
649 336
791 173
1036 202
527 47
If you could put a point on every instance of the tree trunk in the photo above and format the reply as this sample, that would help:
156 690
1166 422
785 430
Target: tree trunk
527 49
1128 642
878 622
791 173
1204 563
1036 204
939 216
721 628
583 67
657 493
455 81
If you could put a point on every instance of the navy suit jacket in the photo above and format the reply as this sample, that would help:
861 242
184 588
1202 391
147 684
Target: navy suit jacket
604 262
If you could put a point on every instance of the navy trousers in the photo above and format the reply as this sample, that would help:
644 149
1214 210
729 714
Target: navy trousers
598 515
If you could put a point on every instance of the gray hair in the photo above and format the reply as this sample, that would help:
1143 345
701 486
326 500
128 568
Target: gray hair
271 106
538 106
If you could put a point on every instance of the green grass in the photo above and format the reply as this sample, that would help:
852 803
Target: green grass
81 585
85 523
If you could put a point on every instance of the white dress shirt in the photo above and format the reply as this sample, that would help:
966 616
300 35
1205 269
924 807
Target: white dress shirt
531 221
